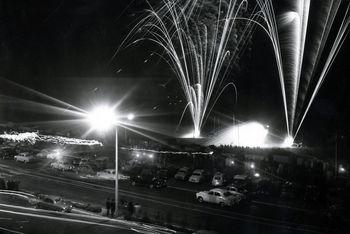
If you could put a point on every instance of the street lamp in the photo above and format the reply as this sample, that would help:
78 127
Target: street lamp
252 165
103 118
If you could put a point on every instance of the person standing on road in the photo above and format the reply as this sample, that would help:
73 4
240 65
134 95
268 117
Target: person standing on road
112 207
131 208
108 205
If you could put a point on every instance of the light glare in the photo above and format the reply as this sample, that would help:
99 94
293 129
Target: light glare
288 142
131 116
252 134
102 118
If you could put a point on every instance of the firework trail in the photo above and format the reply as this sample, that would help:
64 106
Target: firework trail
296 70
342 32
195 52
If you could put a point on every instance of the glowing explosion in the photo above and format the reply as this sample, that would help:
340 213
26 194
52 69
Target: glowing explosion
250 134
195 51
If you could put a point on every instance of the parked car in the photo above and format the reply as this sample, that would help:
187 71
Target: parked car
84 161
54 203
24 157
217 196
85 169
242 181
219 179
147 177
166 173
63 166
43 153
233 188
107 174
236 192
183 173
197 176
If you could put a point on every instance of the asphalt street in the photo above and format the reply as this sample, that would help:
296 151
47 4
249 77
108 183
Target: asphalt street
15 219
174 204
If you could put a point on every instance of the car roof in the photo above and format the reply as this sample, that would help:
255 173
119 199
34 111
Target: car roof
109 170
53 197
240 177
218 190
198 170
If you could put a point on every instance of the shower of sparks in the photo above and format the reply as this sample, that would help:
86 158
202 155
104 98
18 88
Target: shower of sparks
195 52
288 36
169 152
33 137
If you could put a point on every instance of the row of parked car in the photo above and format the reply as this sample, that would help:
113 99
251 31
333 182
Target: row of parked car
200 176
228 191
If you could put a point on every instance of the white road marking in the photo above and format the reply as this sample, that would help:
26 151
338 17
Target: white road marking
10 231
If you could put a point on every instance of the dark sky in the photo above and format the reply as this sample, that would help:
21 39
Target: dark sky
63 48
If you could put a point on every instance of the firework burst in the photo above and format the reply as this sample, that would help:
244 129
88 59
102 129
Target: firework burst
196 52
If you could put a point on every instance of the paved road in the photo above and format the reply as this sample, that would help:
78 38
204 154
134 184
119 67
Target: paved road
177 205
15 219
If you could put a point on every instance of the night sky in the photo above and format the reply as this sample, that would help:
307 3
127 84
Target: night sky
64 49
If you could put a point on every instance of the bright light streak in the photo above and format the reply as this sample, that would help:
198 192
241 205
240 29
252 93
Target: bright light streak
288 142
289 48
102 118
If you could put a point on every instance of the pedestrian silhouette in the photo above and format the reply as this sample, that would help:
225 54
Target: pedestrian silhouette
112 207
108 205
131 208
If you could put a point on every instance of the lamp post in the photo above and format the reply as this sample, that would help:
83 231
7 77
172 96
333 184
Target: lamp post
103 118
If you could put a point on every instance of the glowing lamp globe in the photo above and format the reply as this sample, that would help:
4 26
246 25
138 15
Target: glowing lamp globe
102 118
131 116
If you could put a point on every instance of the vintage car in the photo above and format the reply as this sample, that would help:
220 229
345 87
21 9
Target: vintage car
217 196
197 176
218 179
182 174
55 203
147 177
24 157
236 192
107 174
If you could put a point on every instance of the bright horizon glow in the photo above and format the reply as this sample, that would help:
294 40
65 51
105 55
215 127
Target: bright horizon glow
102 118
250 134
193 134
